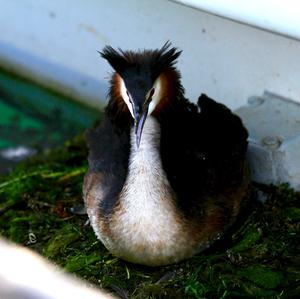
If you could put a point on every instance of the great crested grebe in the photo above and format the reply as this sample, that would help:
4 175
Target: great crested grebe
166 177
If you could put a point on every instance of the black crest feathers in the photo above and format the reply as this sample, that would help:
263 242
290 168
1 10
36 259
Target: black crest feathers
157 60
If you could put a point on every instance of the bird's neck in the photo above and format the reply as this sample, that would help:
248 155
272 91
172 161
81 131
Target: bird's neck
146 194
146 178
150 139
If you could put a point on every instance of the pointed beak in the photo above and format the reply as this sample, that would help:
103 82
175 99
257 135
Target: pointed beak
140 119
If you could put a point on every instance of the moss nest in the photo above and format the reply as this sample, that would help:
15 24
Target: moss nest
258 258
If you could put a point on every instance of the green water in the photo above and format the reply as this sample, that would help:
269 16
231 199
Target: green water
33 116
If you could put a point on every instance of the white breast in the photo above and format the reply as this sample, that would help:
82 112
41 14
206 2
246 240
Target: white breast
146 194
146 227
146 181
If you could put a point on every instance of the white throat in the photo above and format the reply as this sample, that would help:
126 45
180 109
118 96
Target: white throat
146 177
150 141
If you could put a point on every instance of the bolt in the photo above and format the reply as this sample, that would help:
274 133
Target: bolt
271 142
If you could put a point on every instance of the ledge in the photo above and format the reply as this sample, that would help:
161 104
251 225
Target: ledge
281 17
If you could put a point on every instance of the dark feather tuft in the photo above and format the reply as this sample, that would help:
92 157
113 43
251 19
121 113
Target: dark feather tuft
116 59
156 60
166 56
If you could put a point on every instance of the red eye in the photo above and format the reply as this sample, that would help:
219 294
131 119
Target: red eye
151 92
129 97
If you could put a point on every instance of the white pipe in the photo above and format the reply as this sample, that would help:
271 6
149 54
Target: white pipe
277 16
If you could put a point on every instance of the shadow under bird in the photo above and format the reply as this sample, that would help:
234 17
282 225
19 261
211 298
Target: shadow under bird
166 177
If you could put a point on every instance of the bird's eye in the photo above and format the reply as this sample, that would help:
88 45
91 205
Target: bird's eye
151 92
128 96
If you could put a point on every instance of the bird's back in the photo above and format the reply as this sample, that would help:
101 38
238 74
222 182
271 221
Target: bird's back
203 149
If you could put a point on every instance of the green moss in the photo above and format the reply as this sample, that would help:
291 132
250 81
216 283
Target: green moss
262 276
293 214
250 237
60 240
259 258
80 261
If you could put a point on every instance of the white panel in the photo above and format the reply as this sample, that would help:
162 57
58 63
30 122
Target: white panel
273 15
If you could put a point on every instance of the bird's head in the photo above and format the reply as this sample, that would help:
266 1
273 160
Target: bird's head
144 82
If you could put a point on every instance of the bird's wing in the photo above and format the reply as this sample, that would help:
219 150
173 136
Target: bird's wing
108 164
203 149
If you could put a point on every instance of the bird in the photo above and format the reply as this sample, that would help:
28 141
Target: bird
166 177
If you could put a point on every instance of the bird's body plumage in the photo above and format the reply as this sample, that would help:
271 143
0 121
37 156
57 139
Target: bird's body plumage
173 192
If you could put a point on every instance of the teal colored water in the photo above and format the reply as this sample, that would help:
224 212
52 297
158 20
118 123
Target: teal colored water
34 117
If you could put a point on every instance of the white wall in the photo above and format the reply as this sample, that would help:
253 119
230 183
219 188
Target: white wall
56 42
277 16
